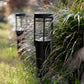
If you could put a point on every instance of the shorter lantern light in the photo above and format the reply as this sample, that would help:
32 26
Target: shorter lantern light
43 26
21 24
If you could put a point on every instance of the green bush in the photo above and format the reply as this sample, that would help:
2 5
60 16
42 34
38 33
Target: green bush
67 39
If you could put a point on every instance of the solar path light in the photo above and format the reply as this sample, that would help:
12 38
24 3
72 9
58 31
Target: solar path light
43 27
21 21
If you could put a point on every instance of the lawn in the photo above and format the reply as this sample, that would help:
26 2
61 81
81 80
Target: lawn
12 69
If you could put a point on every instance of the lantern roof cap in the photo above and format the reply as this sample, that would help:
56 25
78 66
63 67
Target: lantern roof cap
21 14
43 14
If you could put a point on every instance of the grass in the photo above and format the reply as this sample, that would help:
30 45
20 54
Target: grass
12 70
4 25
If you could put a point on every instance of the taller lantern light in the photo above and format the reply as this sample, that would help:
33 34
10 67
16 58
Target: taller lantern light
43 26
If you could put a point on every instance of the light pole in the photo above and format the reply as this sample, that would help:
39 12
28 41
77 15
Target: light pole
43 26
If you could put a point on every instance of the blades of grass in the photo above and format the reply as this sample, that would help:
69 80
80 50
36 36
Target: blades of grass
78 22
66 18
56 50
70 41
67 37
74 27
60 78
67 55
74 4
73 48
80 1
71 54
48 60
76 15
60 54
68 5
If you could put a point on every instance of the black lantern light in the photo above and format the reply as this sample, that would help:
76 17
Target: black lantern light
43 26
20 26
20 23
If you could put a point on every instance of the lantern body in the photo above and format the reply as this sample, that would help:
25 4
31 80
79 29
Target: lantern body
43 27
20 23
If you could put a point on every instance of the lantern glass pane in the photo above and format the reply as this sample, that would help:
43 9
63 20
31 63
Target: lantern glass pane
39 28
48 28
43 29
21 22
